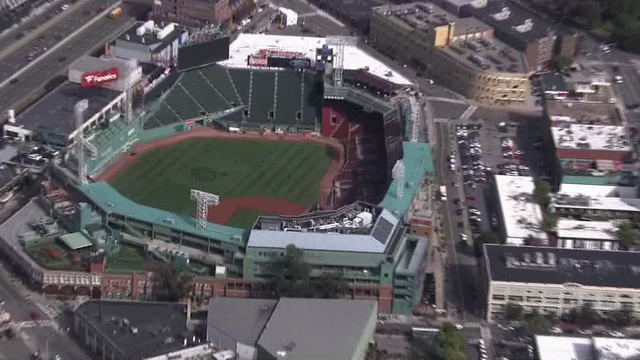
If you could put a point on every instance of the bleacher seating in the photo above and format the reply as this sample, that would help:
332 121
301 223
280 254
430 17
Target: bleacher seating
289 96
262 96
202 92
165 116
241 80
182 103
311 99
219 77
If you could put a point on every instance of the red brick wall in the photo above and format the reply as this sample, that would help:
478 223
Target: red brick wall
623 156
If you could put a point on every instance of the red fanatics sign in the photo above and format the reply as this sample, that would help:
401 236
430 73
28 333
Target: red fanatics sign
100 77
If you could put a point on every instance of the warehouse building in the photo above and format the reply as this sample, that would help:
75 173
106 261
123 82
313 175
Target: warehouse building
556 281
292 328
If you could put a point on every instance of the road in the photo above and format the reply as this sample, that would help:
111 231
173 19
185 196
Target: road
31 84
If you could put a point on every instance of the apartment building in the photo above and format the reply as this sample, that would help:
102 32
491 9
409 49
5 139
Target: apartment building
459 53
555 281
193 12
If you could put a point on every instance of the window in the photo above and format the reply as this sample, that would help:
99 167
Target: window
334 120
245 113
272 114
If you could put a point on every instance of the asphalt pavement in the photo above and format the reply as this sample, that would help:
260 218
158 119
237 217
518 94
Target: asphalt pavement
31 84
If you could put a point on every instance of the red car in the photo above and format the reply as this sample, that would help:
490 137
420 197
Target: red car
35 315
471 198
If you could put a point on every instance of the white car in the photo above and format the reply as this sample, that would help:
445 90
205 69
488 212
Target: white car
555 330
452 167
463 238
618 79
35 157
459 327
616 334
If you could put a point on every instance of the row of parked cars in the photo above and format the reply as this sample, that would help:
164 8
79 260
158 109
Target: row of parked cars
39 154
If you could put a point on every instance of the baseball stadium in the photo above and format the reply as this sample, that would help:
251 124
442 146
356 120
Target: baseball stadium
285 141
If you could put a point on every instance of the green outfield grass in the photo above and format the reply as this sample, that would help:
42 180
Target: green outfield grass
163 178
244 218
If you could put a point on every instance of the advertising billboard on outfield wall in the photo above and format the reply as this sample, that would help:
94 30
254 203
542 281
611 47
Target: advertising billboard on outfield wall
98 78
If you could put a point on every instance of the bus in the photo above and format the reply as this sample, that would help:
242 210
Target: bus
423 331
115 13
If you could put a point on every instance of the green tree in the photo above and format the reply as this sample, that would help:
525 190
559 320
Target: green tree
513 311
330 286
590 11
487 237
542 193
450 343
549 222
538 324
586 316
623 317
626 235
171 284
562 62
292 274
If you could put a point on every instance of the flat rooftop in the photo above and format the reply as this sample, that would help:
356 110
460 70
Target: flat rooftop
488 55
521 215
587 230
591 137
613 348
150 37
54 112
583 113
511 20
597 197
548 265
424 15
564 348
241 319
376 242
318 328
153 334
354 57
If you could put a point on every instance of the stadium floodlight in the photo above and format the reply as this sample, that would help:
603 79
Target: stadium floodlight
79 109
204 200
398 175
339 42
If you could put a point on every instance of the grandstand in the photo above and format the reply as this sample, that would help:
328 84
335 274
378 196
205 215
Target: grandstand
268 97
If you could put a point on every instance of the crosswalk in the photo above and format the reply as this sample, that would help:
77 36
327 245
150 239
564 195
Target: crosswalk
50 310
467 114
34 324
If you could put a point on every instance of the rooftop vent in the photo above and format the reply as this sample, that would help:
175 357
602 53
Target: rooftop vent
527 26
502 15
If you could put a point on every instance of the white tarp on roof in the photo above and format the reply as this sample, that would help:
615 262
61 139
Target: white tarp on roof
354 57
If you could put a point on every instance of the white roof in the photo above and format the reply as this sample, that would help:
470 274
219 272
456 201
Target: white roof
564 348
288 12
598 190
591 230
611 348
594 137
354 57
315 241
521 215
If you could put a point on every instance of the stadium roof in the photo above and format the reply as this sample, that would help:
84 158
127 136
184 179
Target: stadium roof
54 112
375 242
75 240
241 320
521 215
318 328
418 162
155 334
547 265
354 57
109 200
564 348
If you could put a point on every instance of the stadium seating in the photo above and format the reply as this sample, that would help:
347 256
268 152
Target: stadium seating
241 80
182 103
312 99
164 115
198 87
289 96
262 97
219 77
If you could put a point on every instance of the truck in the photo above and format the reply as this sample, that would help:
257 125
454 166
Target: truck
115 13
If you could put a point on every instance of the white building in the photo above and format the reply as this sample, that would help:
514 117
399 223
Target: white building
553 280
596 201
521 215
590 235
586 348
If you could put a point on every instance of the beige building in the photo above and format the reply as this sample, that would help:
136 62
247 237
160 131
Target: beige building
459 53
553 280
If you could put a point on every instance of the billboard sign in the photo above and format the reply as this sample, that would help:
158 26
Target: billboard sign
300 63
281 54
257 61
100 77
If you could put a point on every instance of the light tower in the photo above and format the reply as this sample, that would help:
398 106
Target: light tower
339 42
398 175
79 109
204 200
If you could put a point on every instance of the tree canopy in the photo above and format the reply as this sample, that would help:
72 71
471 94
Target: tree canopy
623 317
562 62
538 324
450 343
171 284
513 311
627 237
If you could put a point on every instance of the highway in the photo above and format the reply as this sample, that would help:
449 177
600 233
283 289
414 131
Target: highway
30 84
